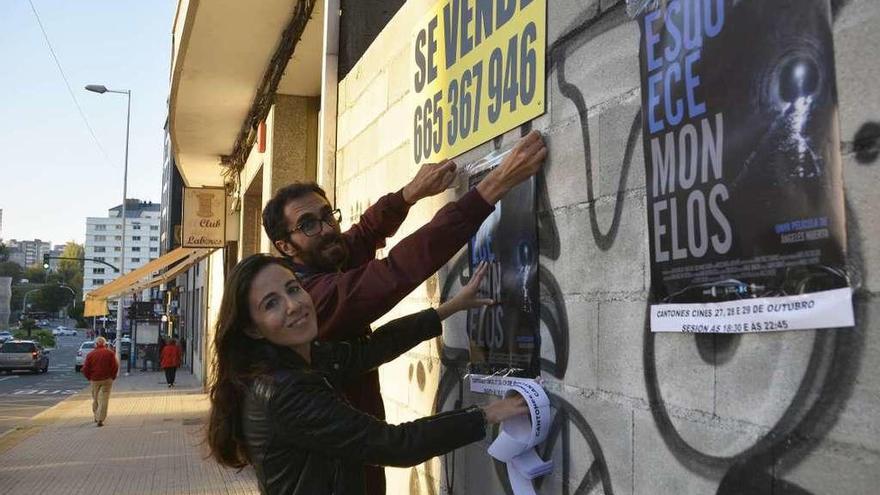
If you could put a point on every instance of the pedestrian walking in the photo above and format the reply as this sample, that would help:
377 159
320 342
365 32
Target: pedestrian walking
277 402
100 369
170 361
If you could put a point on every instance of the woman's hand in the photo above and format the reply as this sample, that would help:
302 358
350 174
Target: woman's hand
467 297
501 410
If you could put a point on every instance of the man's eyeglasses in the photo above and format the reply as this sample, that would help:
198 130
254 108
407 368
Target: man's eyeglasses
312 226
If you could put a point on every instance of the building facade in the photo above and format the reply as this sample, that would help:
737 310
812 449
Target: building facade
104 242
28 253
172 193
636 413
57 251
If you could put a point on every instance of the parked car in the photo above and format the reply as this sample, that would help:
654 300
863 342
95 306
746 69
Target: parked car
84 349
62 330
5 335
23 355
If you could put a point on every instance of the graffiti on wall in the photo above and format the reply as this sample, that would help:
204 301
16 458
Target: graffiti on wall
761 463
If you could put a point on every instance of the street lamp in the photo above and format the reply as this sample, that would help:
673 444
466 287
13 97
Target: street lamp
24 302
73 292
101 89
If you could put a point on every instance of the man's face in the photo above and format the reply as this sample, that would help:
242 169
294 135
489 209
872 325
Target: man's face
325 249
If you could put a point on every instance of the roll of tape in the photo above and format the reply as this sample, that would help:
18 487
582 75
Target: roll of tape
516 442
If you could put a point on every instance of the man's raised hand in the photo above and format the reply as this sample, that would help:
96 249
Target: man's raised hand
431 179
523 161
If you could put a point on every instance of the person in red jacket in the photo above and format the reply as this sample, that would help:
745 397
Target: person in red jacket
170 361
100 368
350 287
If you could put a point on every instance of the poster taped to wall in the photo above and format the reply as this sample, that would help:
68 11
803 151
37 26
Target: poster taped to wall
477 71
744 181
505 338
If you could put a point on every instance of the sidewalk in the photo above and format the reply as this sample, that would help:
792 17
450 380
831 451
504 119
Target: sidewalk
152 442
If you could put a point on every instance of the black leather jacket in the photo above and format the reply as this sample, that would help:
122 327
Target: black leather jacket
305 439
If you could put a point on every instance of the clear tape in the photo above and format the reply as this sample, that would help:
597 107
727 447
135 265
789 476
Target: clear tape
637 7
489 161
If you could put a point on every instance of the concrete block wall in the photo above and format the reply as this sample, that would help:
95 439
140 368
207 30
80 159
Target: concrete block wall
790 412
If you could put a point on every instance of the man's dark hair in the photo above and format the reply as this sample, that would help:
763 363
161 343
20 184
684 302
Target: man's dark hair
273 214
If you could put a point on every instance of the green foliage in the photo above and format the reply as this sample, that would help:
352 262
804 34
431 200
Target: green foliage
51 298
11 269
18 292
44 337
35 274
24 332
70 272
4 252
76 312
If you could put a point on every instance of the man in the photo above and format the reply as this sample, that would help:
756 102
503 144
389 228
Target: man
100 369
349 286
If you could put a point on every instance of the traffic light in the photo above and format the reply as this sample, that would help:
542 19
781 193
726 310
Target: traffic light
45 262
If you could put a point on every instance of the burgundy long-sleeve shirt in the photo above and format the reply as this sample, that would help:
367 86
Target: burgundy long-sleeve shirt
365 289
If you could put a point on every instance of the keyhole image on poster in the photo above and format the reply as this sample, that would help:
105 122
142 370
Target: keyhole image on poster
505 337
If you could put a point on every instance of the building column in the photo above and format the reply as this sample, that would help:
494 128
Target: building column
292 147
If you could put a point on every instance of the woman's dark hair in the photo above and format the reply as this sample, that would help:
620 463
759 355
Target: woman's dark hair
237 360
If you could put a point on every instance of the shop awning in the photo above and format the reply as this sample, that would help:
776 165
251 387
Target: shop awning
170 265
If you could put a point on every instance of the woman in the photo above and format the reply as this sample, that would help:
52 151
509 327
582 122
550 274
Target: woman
170 361
274 401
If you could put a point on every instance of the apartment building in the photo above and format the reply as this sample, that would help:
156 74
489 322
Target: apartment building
104 242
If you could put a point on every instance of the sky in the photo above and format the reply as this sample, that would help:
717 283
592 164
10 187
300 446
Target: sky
52 173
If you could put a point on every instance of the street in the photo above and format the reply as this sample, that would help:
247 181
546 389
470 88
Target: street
23 394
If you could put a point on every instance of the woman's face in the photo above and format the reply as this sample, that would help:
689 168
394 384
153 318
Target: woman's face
281 310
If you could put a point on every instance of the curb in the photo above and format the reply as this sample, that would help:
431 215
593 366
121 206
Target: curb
12 437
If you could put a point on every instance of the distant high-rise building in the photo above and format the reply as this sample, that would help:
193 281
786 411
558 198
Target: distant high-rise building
104 242
56 251
28 253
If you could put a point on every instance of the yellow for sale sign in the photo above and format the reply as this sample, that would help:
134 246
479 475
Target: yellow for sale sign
478 71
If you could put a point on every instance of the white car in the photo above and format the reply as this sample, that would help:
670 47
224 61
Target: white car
84 349
4 336
64 331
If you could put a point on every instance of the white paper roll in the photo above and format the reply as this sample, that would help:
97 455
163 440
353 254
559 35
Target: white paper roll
515 444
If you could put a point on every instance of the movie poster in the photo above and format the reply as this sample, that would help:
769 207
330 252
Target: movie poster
505 337
744 181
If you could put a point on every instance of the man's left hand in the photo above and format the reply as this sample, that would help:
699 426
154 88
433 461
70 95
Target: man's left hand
431 179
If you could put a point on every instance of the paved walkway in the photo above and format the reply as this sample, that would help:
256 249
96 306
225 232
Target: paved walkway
152 443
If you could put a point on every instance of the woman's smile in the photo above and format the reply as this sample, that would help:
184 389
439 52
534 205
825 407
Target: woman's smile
298 320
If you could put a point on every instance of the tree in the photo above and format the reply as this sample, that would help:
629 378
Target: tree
28 325
70 272
11 269
4 252
51 298
35 274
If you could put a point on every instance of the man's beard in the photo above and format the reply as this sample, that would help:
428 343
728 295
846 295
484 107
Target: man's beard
328 256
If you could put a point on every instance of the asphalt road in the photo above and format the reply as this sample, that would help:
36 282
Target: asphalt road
23 395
